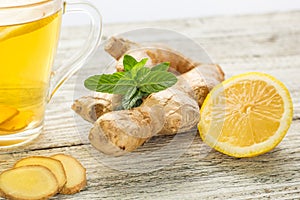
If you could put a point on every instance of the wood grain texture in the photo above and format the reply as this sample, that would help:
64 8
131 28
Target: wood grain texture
269 43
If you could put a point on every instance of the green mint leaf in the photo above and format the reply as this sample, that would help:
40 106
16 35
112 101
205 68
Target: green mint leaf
124 85
107 83
118 75
133 101
138 72
157 81
130 93
91 83
141 63
142 74
129 62
161 67
128 99
103 83
135 83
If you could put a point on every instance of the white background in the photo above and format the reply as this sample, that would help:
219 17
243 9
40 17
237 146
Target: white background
119 11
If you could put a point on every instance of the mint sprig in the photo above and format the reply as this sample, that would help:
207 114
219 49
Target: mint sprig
135 83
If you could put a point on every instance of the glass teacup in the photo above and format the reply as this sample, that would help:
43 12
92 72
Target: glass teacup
29 34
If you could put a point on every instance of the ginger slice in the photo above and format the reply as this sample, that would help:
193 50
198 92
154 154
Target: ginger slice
55 166
6 113
18 122
28 182
76 174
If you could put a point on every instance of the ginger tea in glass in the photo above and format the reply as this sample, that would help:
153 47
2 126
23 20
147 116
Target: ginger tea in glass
28 40
27 52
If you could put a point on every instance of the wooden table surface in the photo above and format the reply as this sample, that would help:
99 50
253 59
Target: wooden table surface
268 43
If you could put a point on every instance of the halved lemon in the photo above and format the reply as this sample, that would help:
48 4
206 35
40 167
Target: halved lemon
246 115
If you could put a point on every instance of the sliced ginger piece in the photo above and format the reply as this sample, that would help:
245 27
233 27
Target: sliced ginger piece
18 122
6 113
76 174
54 165
28 182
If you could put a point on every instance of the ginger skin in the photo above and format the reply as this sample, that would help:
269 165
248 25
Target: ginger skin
119 132
91 108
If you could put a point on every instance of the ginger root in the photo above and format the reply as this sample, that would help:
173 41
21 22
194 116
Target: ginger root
91 108
156 53
119 132
28 183
201 78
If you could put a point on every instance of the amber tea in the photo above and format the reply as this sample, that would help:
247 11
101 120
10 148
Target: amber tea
29 34
26 52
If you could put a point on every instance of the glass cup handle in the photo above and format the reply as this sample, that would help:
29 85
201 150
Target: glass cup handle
63 73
